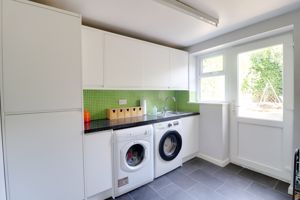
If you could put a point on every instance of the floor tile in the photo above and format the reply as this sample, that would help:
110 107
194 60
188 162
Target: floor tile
206 179
235 193
195 181
210 168
189 167
169 190
180 195
125 197
232 168
160 182
202 192
257 177
197 161
234 179
144 193
282 187
183 181
266 192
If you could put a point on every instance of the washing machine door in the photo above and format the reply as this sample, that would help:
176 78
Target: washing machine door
170 145
134 155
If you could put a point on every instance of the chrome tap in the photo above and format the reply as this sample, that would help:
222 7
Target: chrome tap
165 104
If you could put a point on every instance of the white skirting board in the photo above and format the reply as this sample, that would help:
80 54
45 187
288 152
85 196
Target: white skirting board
190 157
290 190
101 196
221 163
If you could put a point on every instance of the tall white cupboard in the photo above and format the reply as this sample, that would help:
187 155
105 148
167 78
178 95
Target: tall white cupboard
2 179
42 103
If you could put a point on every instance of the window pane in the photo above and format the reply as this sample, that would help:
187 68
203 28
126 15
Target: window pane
212 64
260 83
213 88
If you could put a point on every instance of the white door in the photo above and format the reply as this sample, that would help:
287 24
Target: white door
122 62
41 58
156 66
92 57
98 162
179 69
262 110
44 156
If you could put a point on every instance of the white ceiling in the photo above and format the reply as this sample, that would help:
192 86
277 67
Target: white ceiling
149 20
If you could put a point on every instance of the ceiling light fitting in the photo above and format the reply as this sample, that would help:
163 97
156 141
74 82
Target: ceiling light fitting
187 9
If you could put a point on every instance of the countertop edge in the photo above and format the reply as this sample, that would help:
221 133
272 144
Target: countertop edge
140 123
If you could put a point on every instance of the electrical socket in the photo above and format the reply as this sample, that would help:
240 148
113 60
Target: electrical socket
122 101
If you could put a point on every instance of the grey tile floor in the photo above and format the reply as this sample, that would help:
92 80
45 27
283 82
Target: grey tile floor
200 180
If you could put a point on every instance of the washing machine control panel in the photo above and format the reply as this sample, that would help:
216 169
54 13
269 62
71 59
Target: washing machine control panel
176 123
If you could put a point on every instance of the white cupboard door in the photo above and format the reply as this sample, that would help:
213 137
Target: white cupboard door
41 58
179 69
92 57
156 67
122 62
45 156
98 162
190 135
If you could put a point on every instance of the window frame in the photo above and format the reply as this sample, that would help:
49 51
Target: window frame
201 75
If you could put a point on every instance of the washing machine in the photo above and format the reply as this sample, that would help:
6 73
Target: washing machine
167 146
133 158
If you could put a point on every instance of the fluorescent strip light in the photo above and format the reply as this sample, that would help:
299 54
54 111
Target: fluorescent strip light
182 7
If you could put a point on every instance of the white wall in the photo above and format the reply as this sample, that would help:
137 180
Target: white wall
291 18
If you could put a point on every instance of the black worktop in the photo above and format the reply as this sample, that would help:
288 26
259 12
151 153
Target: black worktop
104 124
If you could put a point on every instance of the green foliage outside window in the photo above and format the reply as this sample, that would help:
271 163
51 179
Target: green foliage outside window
265 71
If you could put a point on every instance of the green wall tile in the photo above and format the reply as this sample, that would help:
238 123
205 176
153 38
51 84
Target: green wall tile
182 102
97 101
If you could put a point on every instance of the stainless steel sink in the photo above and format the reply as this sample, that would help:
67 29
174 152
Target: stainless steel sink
172 114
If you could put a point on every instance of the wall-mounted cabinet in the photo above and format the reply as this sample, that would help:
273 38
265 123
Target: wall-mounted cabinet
114 61
179 69
156 66
92 57
122 62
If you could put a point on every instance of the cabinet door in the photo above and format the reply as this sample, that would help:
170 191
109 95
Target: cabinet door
45 156
98 159
122 62
156 67
41 58
179 69
190 135
92 57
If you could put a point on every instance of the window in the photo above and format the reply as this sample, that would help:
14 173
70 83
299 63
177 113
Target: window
212 78
260 85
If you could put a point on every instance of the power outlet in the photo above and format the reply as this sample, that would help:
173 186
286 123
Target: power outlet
122 101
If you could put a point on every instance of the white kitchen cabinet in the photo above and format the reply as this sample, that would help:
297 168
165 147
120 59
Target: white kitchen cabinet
123 63
190 135
41 58
98 162
179 69
156 66
44 156
2 176
92 57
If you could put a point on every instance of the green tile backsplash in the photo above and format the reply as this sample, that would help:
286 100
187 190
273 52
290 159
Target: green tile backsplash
97 101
